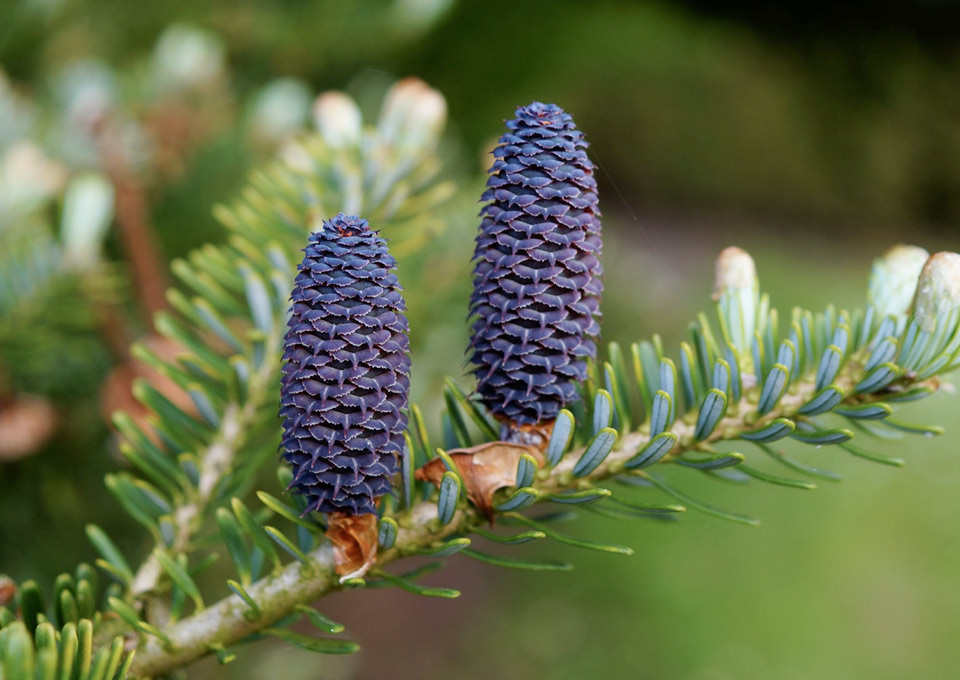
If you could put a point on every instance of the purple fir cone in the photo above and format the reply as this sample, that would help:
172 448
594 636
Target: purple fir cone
536 283
345 380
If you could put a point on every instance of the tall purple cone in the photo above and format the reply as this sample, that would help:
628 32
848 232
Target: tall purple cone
536 283
345 381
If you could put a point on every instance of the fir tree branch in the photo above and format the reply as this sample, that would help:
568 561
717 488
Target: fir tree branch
230 621
834 362
215 461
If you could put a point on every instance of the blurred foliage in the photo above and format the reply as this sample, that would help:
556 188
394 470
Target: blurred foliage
713 115
854 121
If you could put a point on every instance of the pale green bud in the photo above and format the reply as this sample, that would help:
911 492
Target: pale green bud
893 279
87 214
188 58
737 292
281 110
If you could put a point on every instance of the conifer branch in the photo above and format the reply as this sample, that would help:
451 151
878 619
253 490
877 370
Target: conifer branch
569 422
214 463
230 621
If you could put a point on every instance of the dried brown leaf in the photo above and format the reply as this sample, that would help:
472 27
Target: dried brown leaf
26 424
8 590
484 469
117 391
354 539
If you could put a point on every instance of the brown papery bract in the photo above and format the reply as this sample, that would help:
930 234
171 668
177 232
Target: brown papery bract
484 469
354 539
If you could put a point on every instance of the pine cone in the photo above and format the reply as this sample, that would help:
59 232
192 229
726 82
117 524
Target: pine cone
346 380
536 284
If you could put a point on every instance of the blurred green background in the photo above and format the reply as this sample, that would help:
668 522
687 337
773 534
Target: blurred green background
814 136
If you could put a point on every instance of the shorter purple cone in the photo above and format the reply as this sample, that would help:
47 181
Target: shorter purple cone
345 382
536 283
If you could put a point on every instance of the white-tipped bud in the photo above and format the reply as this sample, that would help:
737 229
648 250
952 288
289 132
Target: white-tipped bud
338 119
413 114
735 271
893 279
87 214
938 290
87 90
27 178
